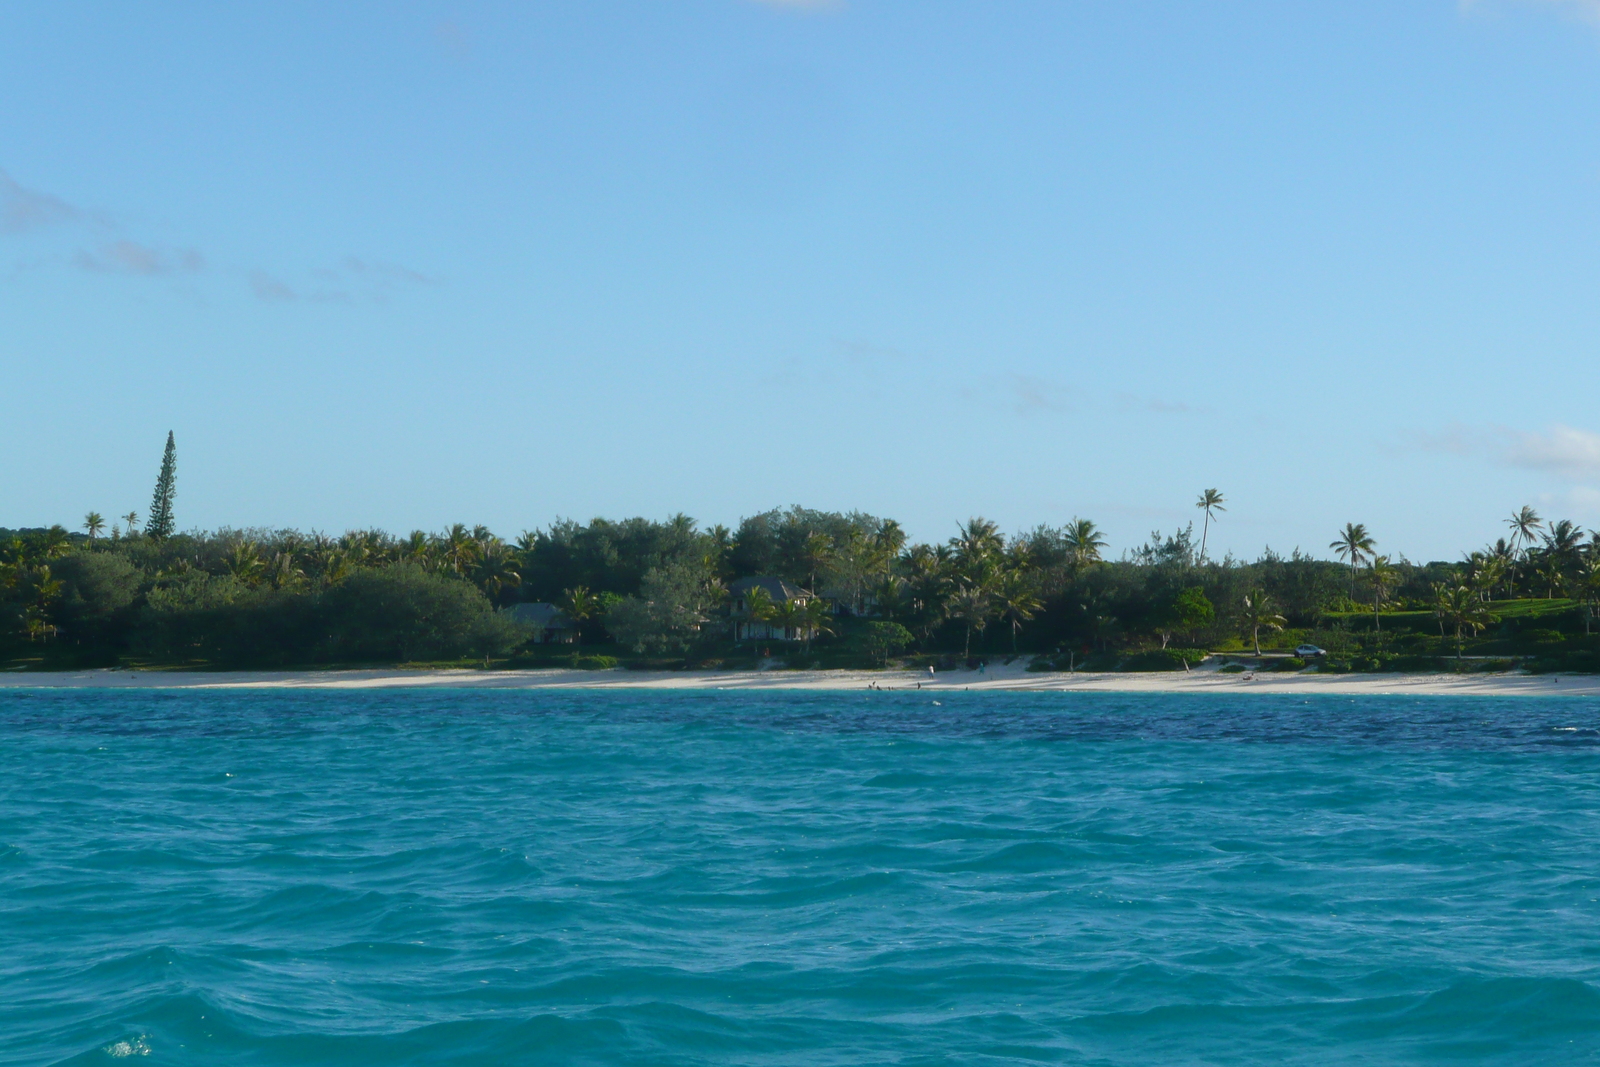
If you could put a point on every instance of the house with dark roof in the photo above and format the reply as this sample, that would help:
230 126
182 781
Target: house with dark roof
551 624
779 592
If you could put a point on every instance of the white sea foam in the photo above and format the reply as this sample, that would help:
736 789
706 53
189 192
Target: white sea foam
136 1047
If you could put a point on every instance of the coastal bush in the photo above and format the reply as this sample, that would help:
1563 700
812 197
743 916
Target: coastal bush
1232 668
1163 659
97 590
596 663
405 613
1289 663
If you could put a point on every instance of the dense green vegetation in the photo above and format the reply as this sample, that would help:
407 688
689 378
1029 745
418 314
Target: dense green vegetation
656 592
853 592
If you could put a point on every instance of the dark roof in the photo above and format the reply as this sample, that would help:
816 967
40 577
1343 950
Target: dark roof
544 616
778 589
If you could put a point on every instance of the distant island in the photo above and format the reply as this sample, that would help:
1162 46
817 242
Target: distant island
793 588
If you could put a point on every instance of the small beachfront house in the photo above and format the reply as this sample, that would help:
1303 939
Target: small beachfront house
779 592
551 624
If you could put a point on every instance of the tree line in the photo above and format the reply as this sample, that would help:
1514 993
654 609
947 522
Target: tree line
660 588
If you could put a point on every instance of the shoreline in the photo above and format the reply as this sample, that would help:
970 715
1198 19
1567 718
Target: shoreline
998 679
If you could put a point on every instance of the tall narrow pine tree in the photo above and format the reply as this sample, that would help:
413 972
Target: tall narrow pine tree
161 525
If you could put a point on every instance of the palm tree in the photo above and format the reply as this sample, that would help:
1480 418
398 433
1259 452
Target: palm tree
817 554
1484 572
758 607
495 569
1209 501
1588 589
814 618
790 617
1084 543
281 571
890 595
1261 613
1524 525
890 539
459 549
1384 576
978 542
1563 538
94 523
1553 574
1016 602
244 562
418 549
1458 607
579 605
1355 545
132 519
972 605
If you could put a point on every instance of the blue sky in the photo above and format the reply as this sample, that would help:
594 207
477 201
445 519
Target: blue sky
411 264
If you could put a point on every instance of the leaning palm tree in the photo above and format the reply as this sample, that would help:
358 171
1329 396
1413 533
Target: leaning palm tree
1384 576
1260 613
94 522
1354 544
1524 526
1209 501
1457 606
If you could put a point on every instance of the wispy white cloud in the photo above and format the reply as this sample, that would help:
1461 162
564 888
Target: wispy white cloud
131 257
353 280
1586 10
96 242
1566 451
270 289
23 210
1563 450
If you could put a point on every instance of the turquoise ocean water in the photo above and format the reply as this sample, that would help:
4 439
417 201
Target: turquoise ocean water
470 877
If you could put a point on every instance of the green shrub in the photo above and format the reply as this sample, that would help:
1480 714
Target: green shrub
1495 665
1289 663
403 612
596 663
1232 668
1333 665
1163 659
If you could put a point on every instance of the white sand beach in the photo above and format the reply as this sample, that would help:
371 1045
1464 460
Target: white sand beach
1011 677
